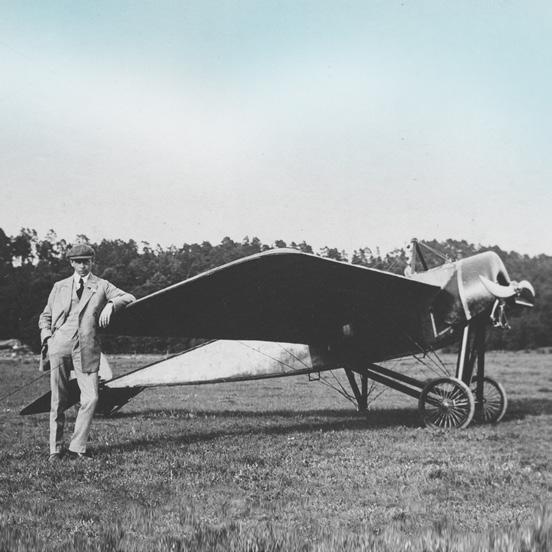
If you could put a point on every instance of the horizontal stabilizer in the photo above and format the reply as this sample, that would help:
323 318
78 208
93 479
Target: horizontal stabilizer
42 404
109 400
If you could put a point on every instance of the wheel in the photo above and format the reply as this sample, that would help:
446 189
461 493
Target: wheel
446 403
494 404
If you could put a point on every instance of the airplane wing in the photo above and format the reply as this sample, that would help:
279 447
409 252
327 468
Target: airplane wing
280 295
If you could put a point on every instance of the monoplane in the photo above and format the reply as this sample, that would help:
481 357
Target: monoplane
284 313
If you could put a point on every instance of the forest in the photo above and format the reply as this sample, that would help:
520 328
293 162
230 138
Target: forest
30 264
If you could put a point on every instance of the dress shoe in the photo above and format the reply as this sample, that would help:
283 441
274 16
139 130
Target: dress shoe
78 455
54 457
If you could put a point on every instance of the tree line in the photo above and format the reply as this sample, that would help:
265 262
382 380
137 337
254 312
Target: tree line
29 266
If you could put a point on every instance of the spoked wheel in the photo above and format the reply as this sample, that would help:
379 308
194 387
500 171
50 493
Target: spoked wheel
494 404
446 403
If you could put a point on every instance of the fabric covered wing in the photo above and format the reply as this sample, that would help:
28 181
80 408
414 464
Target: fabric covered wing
278 295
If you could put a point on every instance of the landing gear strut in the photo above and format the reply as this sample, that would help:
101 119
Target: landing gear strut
445 402
494 403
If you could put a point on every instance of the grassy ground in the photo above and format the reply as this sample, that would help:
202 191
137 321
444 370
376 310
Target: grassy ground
283 464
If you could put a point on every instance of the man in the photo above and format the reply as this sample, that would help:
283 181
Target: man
68 324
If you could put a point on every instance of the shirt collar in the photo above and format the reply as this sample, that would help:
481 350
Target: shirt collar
77 277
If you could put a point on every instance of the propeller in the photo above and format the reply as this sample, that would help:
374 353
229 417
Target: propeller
523 291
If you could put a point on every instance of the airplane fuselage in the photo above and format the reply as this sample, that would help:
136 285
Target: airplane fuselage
461 297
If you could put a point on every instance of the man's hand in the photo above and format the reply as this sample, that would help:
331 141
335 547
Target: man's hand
105 315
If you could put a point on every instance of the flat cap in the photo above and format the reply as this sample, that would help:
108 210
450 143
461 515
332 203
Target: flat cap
80 251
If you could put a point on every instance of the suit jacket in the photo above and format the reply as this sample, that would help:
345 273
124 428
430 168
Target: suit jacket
96 294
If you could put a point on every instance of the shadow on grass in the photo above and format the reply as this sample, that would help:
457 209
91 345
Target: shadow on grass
279 413
286 422
340 420
518 409
379 418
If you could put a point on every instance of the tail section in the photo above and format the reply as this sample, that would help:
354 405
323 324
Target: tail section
212 362
109 400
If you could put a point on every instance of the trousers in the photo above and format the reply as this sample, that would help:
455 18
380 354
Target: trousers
60 368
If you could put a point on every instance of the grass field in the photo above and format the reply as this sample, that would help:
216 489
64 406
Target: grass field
283 464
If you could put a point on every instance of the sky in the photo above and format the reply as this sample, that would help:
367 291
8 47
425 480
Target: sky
345 124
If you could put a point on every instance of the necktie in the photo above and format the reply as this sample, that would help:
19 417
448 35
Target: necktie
81 288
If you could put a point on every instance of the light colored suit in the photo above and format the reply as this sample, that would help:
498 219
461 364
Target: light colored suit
70 325
97 293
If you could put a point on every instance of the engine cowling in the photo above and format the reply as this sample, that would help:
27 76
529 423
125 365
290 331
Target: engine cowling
473 286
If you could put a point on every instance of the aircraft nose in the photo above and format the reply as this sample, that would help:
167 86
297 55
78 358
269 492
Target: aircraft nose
523 293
